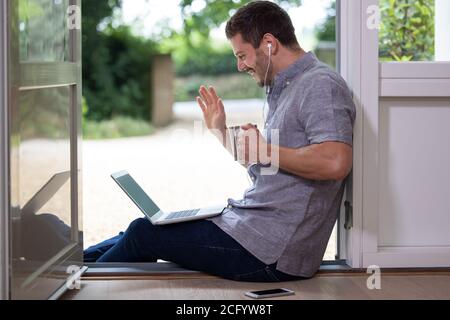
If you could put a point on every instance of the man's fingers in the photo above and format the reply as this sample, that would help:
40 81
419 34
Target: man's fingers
248 126
221 106
213 93
201 104
248 146
204 93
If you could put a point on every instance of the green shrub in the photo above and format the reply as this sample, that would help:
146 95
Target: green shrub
116 65
407 30
118 127
233 86
207 62
116 76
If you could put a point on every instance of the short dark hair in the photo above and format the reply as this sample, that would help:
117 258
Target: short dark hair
258 18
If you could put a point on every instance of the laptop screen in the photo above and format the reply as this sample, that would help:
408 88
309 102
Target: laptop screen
135 192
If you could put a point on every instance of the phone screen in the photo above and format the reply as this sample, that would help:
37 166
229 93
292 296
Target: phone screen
267 292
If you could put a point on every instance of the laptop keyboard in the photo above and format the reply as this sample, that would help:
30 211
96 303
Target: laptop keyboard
182 214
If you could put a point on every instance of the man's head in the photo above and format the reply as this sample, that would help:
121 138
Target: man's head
257 30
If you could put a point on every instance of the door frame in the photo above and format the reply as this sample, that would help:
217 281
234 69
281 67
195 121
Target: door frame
35 76
76 116
371 81
359 67
4 154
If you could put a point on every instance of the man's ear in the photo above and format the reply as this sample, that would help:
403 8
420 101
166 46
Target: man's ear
270 44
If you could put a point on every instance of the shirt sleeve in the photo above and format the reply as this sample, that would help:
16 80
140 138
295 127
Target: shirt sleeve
327 111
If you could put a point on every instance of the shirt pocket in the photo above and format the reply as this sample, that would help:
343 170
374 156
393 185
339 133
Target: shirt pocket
276 132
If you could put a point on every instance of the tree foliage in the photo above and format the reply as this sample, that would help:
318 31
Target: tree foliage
194 50
116 65
215 13
407 30
327 30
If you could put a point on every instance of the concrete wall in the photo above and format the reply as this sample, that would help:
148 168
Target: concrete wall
163 79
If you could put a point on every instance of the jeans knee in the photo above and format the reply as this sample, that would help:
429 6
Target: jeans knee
135 232
138 239
138 226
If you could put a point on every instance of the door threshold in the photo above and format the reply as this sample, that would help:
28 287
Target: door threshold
171 271
168 270
160 270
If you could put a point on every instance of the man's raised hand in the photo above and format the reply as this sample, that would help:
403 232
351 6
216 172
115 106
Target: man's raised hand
213 109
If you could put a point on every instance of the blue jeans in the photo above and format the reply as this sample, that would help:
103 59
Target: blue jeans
198 245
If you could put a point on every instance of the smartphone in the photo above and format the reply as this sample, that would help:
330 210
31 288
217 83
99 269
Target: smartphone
270 293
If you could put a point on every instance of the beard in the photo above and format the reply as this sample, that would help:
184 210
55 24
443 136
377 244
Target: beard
260 70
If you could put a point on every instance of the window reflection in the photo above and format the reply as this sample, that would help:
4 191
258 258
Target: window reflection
44 144
44 35
43 226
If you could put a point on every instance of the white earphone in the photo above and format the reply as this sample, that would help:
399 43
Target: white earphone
269 45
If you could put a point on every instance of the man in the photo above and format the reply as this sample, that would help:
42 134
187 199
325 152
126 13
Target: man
280 230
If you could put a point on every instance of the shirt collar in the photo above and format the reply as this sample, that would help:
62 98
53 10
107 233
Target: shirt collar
294 69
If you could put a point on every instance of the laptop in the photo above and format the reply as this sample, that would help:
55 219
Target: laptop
153 212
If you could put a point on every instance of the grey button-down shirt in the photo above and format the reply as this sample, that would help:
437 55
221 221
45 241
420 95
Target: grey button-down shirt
284 218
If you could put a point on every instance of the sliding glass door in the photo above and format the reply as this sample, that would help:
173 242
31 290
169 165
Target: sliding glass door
45 135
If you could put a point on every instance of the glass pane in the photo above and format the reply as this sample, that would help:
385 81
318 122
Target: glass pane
324 34
42 229
415 30
44 36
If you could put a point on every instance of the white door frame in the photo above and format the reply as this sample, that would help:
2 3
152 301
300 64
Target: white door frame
359 67
414 79
371 81
4 155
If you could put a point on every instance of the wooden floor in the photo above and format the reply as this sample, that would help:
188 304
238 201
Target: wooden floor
341 287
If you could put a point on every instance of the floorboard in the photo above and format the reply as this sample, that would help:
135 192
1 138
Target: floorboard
341 287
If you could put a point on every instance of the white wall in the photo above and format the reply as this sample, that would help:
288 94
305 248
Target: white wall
414 173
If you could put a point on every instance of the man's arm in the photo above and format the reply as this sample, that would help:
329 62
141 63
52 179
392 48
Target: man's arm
325 161
322 162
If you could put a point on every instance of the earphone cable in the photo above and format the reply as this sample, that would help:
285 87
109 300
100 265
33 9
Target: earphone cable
267 88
